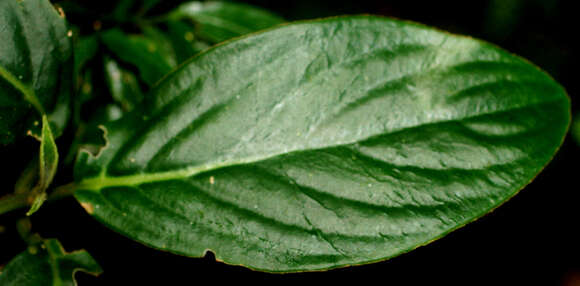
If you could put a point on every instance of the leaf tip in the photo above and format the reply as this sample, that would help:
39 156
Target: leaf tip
37 203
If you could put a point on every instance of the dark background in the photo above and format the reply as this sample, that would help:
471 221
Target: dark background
532 239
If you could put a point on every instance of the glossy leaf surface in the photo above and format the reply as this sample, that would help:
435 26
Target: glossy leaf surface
48 265
325 143
35 67
220 21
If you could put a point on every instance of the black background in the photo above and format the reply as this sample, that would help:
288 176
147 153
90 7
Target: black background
532 239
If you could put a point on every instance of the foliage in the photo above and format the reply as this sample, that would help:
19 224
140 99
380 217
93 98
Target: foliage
296 147
47 264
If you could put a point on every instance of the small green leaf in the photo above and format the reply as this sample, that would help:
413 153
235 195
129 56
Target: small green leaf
48 155
183 40
35 67
325 143
220 21
47 265
140 51
48 163
85 49
123 85
165 48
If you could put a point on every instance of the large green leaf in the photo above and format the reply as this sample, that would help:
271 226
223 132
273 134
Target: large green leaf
220 21
47 265
325 143
35 67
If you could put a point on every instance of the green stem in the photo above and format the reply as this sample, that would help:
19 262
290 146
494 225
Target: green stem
13 202
62 192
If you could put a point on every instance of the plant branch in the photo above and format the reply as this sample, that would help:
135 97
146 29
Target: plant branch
13 202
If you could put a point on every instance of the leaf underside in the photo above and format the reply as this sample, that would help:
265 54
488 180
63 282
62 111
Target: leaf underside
325 143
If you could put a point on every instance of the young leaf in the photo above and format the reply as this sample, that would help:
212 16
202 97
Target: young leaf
140 51
35 67
220 21
48 265
325 143
48 163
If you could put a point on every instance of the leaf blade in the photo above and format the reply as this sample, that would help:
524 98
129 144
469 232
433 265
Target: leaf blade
140 51
356 151
35 67
221 21
183 40
123 85
48 164
48 266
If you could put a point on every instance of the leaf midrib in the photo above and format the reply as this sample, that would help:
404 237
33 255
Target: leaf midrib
26 90
103 181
